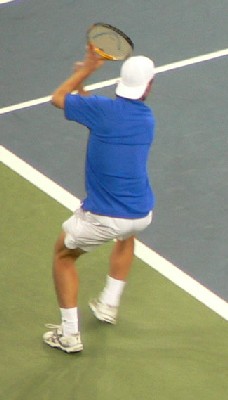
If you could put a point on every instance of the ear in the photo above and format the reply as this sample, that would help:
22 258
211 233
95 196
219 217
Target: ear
148 90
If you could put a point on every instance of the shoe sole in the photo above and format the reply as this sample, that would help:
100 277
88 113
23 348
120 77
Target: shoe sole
100 316
65 349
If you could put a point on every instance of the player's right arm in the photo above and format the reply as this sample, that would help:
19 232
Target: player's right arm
75 82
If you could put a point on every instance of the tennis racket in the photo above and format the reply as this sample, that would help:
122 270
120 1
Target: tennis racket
109 42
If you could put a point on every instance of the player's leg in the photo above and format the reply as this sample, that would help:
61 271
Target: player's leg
105 307
65 273
65 276
121 259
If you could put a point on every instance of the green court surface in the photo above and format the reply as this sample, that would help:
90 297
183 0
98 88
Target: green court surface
166 345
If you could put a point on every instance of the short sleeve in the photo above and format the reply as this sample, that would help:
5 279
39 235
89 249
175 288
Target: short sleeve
81 109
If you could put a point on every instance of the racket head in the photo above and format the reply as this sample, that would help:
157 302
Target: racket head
109 42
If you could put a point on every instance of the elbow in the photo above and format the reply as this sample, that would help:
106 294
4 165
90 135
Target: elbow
58 100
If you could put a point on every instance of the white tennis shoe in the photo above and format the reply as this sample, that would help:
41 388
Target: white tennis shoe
54 338
103 312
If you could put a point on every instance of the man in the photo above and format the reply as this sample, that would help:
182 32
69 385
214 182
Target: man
119 199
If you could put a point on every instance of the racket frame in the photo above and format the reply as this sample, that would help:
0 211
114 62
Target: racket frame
99 51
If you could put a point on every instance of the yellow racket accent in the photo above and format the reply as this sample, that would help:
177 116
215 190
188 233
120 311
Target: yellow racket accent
104 55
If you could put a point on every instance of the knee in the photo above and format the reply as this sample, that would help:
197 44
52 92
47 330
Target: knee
61 251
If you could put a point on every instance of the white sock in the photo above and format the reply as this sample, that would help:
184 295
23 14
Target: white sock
69 321
112 292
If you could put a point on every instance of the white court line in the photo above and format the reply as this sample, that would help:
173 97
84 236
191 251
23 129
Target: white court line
110 82
143 252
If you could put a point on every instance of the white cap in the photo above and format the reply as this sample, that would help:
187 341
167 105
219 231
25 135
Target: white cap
135 74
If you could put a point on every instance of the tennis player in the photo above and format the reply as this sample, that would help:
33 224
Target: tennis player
119 201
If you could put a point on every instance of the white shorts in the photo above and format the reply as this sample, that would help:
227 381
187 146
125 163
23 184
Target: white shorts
86 230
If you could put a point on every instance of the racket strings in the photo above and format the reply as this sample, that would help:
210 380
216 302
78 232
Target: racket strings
109 42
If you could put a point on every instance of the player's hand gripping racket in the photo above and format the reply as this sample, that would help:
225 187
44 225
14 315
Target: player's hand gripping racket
109 42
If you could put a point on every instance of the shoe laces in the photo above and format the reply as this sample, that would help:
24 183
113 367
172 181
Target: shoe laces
57 329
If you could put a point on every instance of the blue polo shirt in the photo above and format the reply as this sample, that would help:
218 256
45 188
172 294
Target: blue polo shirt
121 134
